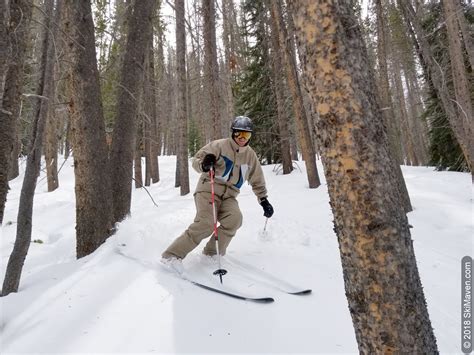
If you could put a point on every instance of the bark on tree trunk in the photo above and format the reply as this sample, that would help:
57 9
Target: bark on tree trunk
230 58
211 67
411 157
51 150
92 181
14 169
151 155
278 86
182 163
138 151
51 134
304 132
20 14
25 210
293 144
161 93
67 140
418 104
387 108
466 33
131 77
5 45
460 74
414 113
382 283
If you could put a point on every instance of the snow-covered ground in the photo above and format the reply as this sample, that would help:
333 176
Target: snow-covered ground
120 299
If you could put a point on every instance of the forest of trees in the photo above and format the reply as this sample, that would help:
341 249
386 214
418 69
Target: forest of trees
366 86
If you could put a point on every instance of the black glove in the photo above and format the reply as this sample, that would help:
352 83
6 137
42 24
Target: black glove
208 161
267 208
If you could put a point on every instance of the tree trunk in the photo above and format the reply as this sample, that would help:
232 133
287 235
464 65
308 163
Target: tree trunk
415 113
92 181
33 163
160 92
460 75
459 121
14 169
293 143
466 33
152 173
411 157
381 279
20 14
199 82
138 151
51 134
418 105
387 107
5 45
67 140
304 132
278 86
230 61
182 162
131 77
211 67
51 149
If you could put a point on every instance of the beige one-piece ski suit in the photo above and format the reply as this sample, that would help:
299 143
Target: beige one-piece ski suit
233 167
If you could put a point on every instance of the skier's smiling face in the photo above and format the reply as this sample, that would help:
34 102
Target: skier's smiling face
241 137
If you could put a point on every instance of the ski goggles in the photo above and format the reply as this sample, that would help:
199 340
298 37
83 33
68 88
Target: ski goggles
242 134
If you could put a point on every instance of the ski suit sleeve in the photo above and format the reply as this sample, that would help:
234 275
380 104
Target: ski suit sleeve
257 179
210 148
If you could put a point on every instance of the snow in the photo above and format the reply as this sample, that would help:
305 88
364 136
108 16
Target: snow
120 299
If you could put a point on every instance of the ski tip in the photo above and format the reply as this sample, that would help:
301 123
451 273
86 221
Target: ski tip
303 292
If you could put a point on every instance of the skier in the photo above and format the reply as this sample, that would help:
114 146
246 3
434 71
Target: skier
234 162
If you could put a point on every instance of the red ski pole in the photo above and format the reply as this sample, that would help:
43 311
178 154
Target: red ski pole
221 272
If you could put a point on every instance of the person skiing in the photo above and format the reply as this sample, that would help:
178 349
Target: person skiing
233 161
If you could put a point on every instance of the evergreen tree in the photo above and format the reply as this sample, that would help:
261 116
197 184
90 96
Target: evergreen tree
110 58
445 152
194 138
252 87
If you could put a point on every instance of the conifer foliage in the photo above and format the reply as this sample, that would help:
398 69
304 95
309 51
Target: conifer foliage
445 152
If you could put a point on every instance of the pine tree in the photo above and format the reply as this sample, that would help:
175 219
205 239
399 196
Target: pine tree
445 151
130 88
182 164
20 14
253 87
436 72
33 163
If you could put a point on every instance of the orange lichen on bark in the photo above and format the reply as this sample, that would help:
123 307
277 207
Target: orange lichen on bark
323 108
324 65
310 34
375 310
364 244
343 76
375 287
381 258
345 144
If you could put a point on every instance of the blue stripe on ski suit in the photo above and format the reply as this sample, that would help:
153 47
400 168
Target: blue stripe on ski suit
229 164
241 180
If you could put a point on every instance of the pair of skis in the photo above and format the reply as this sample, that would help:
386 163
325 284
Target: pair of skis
266 279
